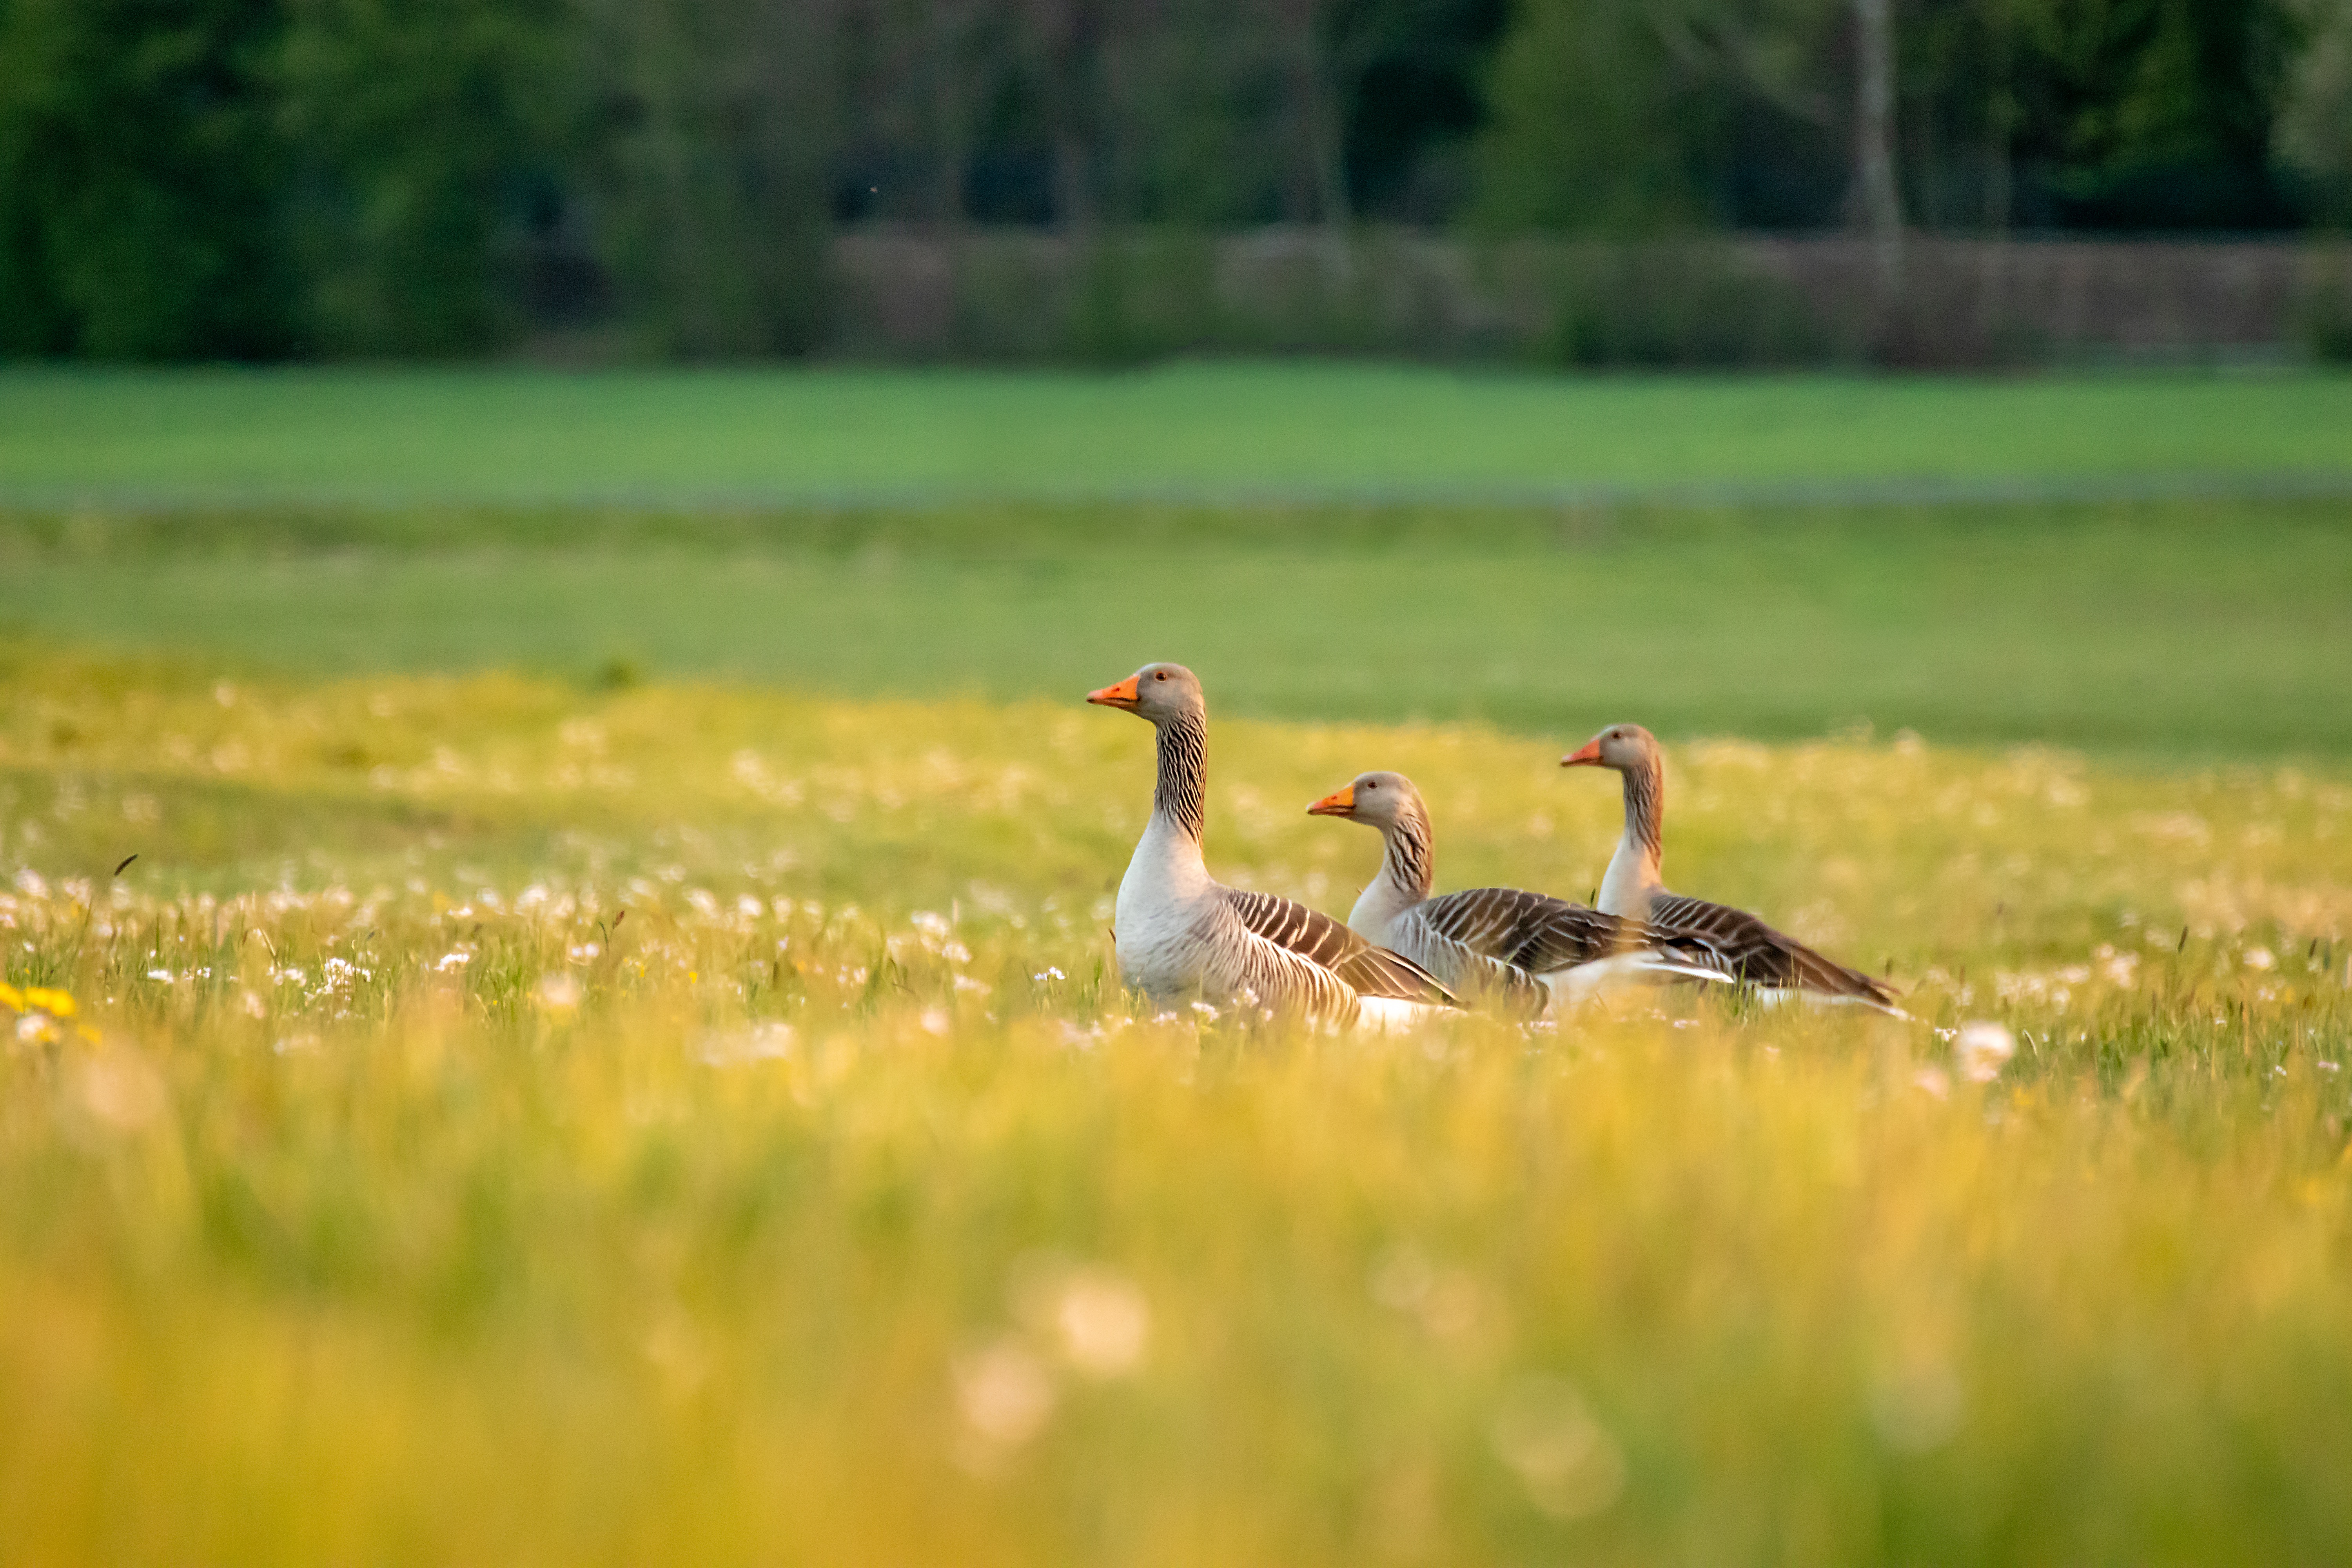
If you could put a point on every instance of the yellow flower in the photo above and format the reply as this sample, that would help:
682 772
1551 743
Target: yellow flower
11 998
55 1004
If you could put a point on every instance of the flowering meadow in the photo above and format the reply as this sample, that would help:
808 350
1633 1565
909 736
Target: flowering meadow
488 1120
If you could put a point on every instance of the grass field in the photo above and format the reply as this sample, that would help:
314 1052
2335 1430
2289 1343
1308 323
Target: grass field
532 1125
2183 629
1184 432
607 1050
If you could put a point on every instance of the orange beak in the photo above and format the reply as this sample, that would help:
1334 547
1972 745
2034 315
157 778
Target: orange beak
1123 695
1338 803
1589 757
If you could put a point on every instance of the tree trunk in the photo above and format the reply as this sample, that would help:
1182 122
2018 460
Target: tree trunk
1878 203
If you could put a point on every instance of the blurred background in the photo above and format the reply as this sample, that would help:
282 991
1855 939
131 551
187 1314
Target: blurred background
867 346
1644 181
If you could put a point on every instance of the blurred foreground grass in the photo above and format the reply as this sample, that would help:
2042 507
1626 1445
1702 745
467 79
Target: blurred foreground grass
693 1124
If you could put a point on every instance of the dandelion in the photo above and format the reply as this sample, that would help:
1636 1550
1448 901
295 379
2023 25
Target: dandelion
1102 1321
1004 1394
1544 1433
55 1004
559 993
43 1015
1982 1049
1401 1279
1448 1303
121 1093
1917 1408
770 1039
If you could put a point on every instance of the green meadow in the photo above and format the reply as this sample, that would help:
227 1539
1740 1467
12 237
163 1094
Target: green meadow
556 1004
2203 630
1179 432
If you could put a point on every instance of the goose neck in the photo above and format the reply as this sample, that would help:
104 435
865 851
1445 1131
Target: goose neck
1180 794
1402 882
1636 868
1409 860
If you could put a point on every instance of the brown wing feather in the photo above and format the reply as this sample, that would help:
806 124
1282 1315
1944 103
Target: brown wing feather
1756 954
1533 931
1317 938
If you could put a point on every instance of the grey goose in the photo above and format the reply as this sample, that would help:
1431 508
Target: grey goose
1776 965
1527 950
1181 935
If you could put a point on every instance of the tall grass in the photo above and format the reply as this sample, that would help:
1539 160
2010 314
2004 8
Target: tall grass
524 1125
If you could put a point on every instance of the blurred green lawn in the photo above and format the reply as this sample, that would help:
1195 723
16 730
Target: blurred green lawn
2209 630
1187 430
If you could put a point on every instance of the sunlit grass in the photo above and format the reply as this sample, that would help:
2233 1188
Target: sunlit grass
525 1125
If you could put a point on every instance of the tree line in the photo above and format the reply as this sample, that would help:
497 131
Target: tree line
270 178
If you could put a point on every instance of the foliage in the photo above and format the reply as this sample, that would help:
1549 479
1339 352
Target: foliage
138 167
1623 117
255 178
719 126
1613 116
2315 125
2153 116
538 1126
429 131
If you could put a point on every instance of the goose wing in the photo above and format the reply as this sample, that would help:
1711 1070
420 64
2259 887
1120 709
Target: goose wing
1370 971
1756 954
1532 932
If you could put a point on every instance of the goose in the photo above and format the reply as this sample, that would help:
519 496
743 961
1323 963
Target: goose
1181 935
1778 966
1528 950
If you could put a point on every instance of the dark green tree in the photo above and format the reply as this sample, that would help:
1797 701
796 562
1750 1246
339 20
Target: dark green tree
431 138
141 173
719 124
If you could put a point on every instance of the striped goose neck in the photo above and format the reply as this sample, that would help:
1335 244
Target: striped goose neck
1410 862
1645 808
1180 795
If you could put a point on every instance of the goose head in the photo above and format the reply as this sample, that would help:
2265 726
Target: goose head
1376 800
1626 748
1158 692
